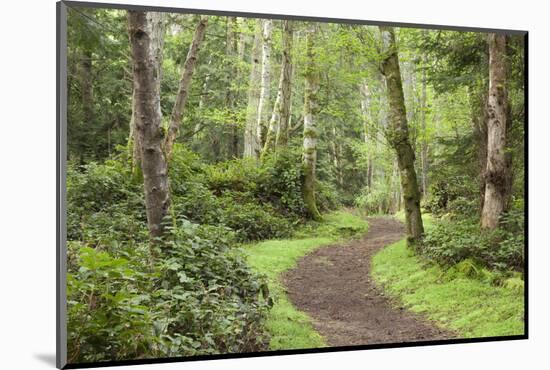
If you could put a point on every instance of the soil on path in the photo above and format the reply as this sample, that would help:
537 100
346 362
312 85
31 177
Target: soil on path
334 286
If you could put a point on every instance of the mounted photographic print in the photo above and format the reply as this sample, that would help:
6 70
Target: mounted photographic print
235 184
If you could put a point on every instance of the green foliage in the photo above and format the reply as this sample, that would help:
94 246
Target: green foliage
282 182
464 298
452 242
253 221
375 200
199 297
104 204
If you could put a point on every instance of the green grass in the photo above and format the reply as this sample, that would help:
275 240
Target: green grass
290 328
470 306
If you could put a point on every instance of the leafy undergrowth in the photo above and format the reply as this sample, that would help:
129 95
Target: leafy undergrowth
288 327
463 298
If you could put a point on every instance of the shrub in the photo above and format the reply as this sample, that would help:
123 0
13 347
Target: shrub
281 182
449 243
453 195
103 203
198 297
252 221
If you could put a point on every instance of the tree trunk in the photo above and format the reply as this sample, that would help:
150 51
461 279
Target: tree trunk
367 135
424 141
157 21
183 90
498 111
263 105
251 143
286 88
148 119
311 110
398 137
84 73
479 122
86 87
277 133
231 95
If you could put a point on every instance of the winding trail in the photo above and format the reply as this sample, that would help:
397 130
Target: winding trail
334 286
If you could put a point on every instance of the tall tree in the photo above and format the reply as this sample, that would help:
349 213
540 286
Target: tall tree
398 136
277 133
263 105
185 82
231 50
498 124
424 140
147 119
311 111
157 20
286 88
251 142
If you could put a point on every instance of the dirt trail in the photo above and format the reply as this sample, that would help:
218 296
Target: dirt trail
334 286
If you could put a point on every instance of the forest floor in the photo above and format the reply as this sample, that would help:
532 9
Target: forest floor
334 286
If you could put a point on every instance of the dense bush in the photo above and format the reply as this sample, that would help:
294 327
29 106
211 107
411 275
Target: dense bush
376 199
454 195
199 297
450 242
281 183
193 292
103 203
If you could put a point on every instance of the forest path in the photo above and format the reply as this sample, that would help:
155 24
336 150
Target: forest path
335 287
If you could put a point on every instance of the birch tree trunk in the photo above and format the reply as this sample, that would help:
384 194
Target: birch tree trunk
398 137
185 82
311 110
263 105
498 112
277 133
147 119
251 143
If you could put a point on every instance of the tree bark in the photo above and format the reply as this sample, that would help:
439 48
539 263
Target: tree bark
231 95
424 142
398 137
263 105
148 118
497 176
311 110
84 71
251 143
157 21
86 86
185 82
286 88
367 134
277 133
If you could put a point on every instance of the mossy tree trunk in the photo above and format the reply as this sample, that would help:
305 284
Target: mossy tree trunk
311 110
497 174
147 120
398 136
281 139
